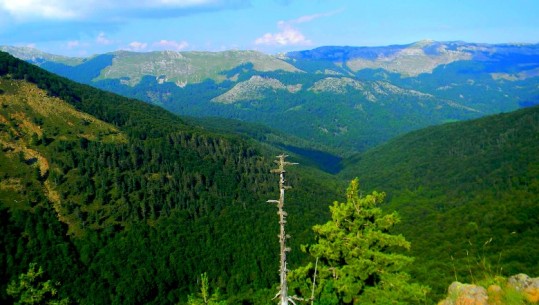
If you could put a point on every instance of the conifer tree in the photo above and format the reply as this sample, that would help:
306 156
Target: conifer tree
357 261
31 289
204 297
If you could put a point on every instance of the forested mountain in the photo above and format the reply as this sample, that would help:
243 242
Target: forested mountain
468 194
347 98
122 202
307 152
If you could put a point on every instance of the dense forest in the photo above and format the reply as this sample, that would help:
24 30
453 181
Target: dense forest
133 204
117 201
467 193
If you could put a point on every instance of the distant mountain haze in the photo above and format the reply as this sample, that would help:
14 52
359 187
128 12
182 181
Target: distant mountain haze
346 98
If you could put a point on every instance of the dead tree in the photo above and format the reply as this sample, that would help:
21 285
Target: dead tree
283 290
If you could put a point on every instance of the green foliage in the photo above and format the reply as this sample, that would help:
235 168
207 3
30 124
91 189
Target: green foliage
146 214
30 289
204 297
347 122
357 258
457 186
131 213
309 153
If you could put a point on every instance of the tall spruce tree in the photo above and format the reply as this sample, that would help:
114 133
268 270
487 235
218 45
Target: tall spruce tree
357 258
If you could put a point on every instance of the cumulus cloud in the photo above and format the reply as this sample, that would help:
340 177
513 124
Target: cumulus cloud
137 46
109 10
289 34
170 45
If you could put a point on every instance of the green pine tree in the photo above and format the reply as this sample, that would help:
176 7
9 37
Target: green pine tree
30 289
357 259
204 296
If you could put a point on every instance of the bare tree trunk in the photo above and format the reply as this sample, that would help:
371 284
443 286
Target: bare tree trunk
283 291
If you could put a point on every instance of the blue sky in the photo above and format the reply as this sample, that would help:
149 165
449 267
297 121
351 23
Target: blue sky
86 27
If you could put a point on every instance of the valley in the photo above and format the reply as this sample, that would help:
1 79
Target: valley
347 98
134 192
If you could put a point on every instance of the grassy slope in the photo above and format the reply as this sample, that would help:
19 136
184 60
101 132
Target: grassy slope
468 194
187 67
30 120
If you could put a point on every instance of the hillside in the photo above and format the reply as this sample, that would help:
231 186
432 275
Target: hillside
347 98
187 67
131 203
467 193
134 203
306 152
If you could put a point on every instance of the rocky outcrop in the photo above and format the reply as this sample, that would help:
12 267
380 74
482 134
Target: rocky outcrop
519 286
527 285
465 294
253 89
337 85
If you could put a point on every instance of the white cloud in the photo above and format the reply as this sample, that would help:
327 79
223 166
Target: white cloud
27 9
102 39
287 36
137 46
108 10
170 45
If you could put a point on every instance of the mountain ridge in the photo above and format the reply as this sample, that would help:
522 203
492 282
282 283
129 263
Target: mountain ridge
408 86
177 199
338 54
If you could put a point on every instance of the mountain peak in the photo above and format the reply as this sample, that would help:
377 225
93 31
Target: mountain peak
422 43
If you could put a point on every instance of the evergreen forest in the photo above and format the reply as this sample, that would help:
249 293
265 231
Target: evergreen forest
105 199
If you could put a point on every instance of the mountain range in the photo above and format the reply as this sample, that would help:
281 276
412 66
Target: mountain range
123 202
347 99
